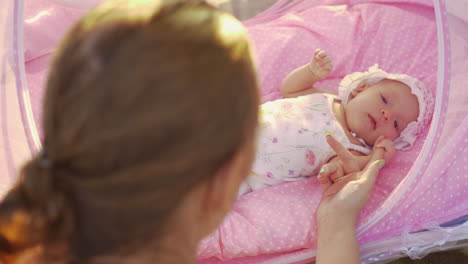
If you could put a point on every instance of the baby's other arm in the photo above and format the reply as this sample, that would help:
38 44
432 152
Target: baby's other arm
299 82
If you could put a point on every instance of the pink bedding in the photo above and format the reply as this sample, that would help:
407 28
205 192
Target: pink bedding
400 37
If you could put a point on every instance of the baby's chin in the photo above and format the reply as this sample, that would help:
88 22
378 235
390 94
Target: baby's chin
370 143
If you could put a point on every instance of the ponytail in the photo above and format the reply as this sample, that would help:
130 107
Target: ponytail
33 213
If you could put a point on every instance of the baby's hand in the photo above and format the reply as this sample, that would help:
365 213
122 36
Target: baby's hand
320 65
385 145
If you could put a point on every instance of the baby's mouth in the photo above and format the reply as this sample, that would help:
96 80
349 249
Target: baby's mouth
372 121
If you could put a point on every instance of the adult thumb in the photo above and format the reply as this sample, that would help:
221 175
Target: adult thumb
377 154
370 173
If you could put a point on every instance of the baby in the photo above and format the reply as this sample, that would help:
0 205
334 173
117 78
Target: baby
373 109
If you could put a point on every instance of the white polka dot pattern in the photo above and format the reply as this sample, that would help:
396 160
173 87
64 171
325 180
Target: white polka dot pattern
401 39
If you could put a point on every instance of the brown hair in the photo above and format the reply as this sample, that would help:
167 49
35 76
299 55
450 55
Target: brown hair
143 102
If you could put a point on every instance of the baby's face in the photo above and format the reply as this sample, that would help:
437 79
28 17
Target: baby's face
385 108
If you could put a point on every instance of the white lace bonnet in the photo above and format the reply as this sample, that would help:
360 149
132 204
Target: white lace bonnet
374 75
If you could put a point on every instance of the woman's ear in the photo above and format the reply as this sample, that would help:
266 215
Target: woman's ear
359 90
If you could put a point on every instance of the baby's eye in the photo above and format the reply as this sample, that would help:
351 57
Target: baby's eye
395 124
383 99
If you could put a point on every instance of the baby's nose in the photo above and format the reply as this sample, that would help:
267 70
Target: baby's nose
386 115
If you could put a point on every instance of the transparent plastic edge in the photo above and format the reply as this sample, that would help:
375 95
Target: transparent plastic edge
431 137
23 93
415 245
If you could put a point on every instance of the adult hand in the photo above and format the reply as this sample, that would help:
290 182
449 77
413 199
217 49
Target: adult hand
349 161
337 167
347 195
341 203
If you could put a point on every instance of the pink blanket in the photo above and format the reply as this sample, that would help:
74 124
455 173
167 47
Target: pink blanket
400 37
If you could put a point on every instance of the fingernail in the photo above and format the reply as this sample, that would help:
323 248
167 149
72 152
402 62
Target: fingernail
381 163
323 169
328 133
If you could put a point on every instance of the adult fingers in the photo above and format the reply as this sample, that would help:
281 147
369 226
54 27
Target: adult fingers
340 150
348 159
328 169
332 171
325 181
377 154
338 185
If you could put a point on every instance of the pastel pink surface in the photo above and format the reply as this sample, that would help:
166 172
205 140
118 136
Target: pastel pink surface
44 26
400 37
277 224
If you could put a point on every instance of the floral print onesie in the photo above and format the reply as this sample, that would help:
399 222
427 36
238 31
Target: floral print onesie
291 142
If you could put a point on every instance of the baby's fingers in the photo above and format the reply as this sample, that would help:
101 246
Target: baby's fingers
378 140
388 148
319 54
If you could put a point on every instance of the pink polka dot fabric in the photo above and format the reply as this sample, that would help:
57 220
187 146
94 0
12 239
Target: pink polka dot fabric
355 36
271 225
277 224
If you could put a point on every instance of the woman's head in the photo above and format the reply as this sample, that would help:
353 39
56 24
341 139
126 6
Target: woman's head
145 101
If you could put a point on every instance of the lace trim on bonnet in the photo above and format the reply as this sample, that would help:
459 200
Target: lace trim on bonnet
374 75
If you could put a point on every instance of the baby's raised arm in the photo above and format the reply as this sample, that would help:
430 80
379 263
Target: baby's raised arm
300 81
